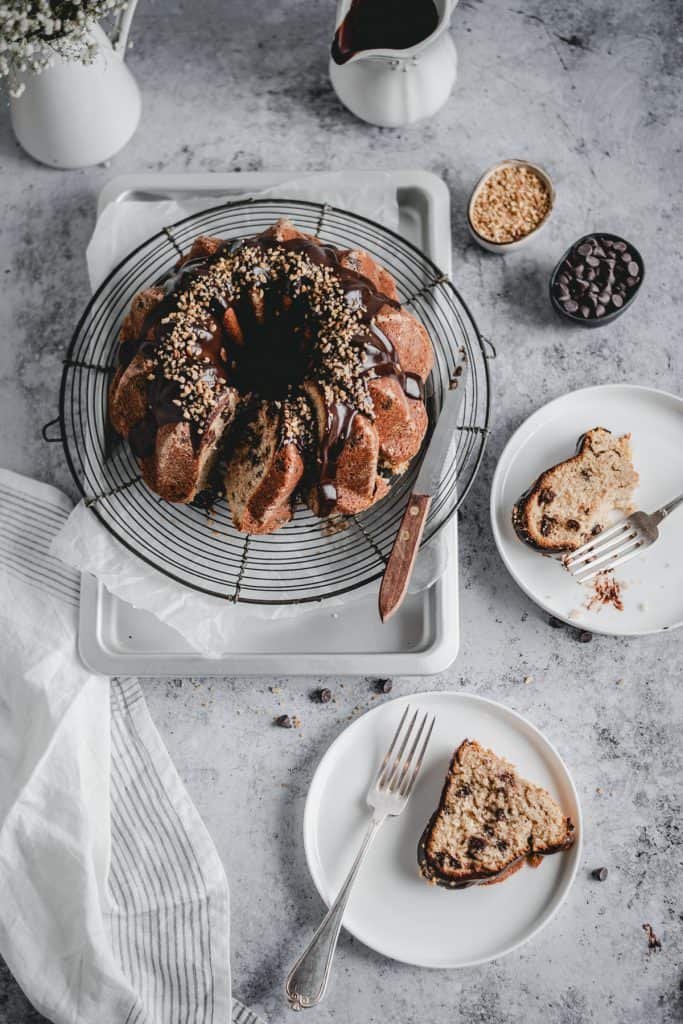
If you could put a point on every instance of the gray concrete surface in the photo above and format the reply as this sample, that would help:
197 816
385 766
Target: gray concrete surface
591 90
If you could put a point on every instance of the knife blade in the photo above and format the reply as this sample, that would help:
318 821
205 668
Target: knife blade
399 568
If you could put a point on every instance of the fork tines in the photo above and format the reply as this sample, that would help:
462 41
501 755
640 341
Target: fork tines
397 772
609 549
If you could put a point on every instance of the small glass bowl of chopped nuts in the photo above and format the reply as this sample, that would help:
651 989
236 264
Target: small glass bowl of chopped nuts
509 205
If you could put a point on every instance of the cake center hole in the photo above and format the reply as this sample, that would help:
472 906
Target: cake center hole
277 347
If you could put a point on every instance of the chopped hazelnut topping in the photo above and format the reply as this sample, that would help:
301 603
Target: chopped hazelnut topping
180 358
510 204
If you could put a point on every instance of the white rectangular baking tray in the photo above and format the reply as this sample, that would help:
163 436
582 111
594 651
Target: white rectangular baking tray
421 639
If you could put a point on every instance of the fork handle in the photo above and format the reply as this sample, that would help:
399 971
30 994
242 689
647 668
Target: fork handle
667 509
308 978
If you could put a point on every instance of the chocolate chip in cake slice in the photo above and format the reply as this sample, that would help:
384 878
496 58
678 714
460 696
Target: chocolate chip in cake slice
475 845
547 523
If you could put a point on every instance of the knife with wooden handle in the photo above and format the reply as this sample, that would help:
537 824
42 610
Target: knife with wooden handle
404 552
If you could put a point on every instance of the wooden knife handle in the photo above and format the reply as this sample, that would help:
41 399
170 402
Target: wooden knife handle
402 558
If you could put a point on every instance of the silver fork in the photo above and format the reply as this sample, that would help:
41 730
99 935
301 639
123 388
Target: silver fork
619 543
387 796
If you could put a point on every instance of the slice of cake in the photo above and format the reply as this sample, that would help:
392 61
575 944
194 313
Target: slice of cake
572 501
489 819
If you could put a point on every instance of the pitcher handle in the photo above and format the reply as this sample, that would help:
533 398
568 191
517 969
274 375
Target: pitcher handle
122 29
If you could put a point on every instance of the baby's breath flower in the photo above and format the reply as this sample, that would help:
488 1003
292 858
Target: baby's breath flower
32 32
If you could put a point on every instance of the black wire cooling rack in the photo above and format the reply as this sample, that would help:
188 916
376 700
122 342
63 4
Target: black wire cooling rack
309 559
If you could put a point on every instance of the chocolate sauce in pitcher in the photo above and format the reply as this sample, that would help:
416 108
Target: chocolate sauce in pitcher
383 25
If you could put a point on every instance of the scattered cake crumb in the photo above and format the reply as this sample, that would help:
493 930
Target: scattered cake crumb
606 590
653 943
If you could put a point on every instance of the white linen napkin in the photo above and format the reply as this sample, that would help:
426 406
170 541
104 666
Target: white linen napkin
209 624
114 903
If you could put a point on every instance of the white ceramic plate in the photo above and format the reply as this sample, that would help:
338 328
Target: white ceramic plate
652 584
392 909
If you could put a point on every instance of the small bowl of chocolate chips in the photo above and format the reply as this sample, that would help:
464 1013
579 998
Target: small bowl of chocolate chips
596 280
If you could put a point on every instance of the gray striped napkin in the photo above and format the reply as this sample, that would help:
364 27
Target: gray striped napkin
115 904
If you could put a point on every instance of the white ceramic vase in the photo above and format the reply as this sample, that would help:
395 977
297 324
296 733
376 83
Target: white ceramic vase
396 87
76 115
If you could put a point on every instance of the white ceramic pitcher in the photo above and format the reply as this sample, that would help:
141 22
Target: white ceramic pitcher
396 87
75 115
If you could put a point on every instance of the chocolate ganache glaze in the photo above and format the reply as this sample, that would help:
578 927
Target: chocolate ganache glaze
383 25
281 350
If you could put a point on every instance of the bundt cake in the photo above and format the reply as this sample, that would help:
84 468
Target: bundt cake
270 368
488 822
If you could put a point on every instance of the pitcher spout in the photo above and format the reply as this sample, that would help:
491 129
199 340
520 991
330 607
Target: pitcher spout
387 29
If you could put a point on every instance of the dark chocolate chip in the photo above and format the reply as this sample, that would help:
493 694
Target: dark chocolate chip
578 271
547 523
585 249
545 496
502 845
633 268
592 261
626 257
285 722
585 312
572 524
489 830
448 861
571 306
619 246
384 685
631 281
324 695
600 874
599 310
555 623
596 529
617 301
475 845
584 637
499 814
463 790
